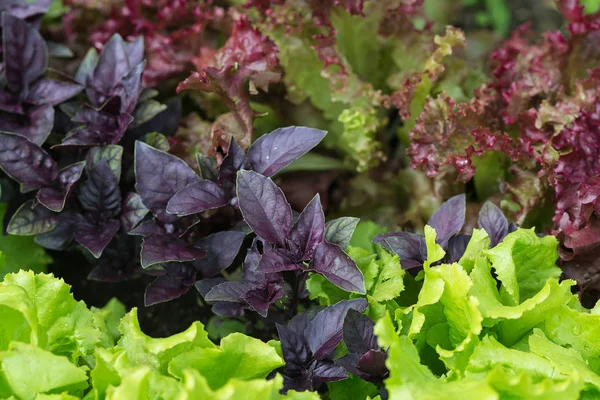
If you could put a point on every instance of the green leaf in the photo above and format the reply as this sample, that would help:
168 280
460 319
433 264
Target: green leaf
158 353
29 370
145 111
239 356
158 141
435 252
365 232
340 231
316 162
351 388
111 153
479 242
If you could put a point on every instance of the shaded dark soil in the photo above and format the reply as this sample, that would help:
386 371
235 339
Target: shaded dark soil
160 320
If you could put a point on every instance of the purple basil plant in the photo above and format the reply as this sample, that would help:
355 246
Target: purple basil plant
448 222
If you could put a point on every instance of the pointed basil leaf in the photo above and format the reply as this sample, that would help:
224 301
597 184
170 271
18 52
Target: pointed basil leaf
358 333
58 238
221 249
111 153
32 221
232 163
135 50
276 150
226 291
330 261
492 219
113 64
449 219
457 246
207 166
294 348
95 237
145 111
327 371
35 125
54 198
133 211
159 176
308 231
324 332
129 93
264 207
276 260
260 298
53 92
177 280
148 228
164 248
25 54
87 66
26 162
339 231
409 247
158 141
197 197
373 363
101 194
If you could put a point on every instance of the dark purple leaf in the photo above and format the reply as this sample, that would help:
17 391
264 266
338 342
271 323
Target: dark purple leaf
449 219
339 231
28 221
113 64
58 238
300 322
84 72
111 154
100 194
25 9
205 285
264 207
324 332
159 176
10 102
35 125
26 162
25 54
327 371
492 219
232 163
277 260
276 150
168 248
373 363
208 167
95 237
227 291
294 348
350 364
408 246
99 128
456 247
164 288
133 211
231 310
308 231
197 197
53 92
358 333
330 261
54 198
221 249
135 50
148 228
260 299
131 89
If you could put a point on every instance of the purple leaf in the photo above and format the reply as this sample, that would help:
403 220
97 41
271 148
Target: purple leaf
84 72
95 237
492 219
208 167
135 50
25 162
58 238
168 248
25 9
113 65
308 231
276 150
35 125
133 211
260 299
358 333
327 371
159 176
28 221
449 219
111 154
54 198
350 363
221 249
53 92
231 310
324 332
294 348
100 194
178 278
25 54
227 291
277 260
100 127
339 231
373 363
148 228
330 261
264 207
197 197
131 89
457 246
232 163
408 246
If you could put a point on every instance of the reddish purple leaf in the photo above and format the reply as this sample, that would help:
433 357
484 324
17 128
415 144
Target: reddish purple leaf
264 207
221 249
276 150
53 92
324 332
492 219
159 249
294 348
358 333
277 260
373 363
309 230
34 125
159 176
54 198
95 237
449 219
113 65
197 197
25 162
330 261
